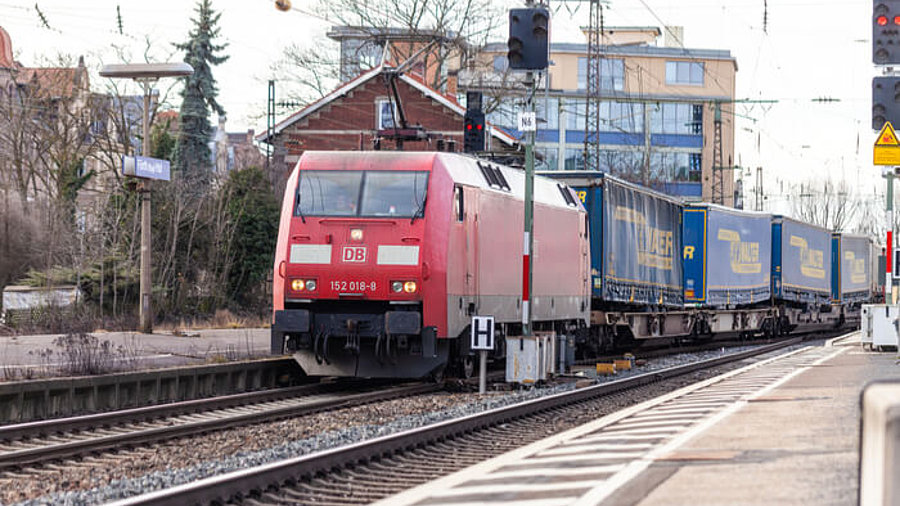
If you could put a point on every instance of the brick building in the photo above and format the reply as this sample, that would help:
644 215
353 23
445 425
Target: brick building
350 117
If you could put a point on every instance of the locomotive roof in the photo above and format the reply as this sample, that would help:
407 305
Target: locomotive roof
463 169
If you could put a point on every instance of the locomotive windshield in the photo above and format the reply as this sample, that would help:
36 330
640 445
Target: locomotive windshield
361 193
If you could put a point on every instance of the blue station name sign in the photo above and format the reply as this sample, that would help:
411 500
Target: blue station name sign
146 168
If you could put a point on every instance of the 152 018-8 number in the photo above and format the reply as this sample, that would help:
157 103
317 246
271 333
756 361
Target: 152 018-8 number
353 286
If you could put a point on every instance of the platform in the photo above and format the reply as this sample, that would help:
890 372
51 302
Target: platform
782 431
142 351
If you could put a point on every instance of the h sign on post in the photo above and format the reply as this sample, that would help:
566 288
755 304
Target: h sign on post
482 333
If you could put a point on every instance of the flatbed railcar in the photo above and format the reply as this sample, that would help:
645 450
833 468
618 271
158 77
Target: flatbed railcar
383 258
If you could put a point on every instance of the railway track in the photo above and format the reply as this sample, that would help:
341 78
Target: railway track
52 440
370 470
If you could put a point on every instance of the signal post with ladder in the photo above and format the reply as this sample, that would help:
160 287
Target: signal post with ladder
887 153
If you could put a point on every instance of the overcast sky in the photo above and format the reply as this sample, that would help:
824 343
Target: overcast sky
806 49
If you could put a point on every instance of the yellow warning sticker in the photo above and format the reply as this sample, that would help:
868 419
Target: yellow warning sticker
887 136
887 147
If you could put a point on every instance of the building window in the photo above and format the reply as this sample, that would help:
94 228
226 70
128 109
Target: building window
547 113
684 72
626 164
501 64
383 117
612 74
679 167
574 159
625 117
674 118
547 158
504 116
575 114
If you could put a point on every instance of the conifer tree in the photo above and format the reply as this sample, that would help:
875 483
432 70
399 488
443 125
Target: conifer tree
192 154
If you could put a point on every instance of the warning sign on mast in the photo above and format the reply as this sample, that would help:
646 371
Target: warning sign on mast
887 147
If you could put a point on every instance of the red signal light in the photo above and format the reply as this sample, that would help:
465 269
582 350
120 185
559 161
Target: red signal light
897 20
469 126
881 20
479 127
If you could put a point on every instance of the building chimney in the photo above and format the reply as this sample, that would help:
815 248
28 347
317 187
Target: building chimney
674 36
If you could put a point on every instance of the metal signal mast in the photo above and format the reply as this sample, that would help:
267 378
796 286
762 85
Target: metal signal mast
593 88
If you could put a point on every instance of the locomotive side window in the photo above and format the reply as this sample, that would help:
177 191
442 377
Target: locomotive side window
361 193
459 206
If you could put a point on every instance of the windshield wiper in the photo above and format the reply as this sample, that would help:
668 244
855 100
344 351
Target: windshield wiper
300 209
421 209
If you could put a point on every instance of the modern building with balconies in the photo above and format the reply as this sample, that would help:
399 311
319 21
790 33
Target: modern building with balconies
659 106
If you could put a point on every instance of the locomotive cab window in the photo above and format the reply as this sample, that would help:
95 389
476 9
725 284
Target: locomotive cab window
370 194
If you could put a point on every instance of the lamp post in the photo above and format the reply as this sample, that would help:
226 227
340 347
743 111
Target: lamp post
146 74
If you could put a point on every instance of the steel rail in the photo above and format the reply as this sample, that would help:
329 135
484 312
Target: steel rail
222 488
67 449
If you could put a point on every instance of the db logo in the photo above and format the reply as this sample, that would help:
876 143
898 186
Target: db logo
355 254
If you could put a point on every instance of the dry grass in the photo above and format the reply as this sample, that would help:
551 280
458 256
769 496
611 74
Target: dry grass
222 319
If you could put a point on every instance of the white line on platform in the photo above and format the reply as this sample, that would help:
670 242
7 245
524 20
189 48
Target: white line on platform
556 471
555 501
518 456
574 447
516 487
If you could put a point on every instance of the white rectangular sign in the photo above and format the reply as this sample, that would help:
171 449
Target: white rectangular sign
527 122
146 167
482 333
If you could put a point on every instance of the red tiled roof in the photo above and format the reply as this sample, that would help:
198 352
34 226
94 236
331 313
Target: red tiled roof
6 55
415 81
52 82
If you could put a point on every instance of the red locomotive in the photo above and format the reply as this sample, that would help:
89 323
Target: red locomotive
384 257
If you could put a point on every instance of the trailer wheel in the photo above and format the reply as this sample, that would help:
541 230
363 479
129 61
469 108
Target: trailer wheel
467 366
437 375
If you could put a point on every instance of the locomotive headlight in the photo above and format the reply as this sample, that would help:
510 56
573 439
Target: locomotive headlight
356 234
397 286
298 285
409 286
311 285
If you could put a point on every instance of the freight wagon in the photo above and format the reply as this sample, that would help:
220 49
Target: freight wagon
636 269
727 266
801 274
853 266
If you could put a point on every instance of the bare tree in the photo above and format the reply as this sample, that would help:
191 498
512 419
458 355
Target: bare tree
826 204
